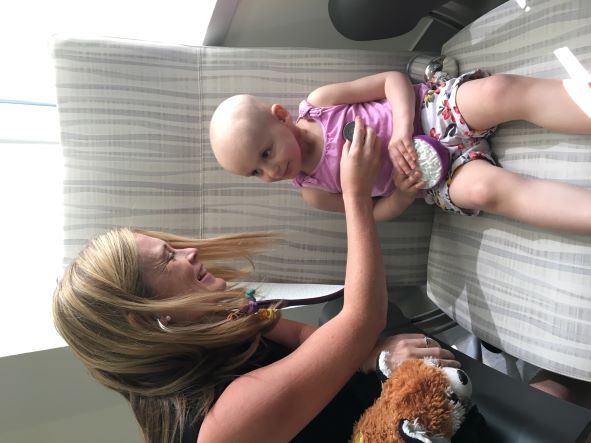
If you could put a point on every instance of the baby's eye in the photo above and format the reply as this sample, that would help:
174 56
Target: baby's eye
254 173
266 153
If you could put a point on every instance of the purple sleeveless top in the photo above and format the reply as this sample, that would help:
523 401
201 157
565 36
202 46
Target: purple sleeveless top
378 115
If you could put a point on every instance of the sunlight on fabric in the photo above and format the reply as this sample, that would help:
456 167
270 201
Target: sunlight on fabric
523 5
578 85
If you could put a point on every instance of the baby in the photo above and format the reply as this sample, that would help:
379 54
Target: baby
252 138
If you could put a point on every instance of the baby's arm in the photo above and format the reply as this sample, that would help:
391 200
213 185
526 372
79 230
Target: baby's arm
402 101
393 85
391 206
385 208
326 201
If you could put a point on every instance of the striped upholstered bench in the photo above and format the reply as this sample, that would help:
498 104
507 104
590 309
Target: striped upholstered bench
134 126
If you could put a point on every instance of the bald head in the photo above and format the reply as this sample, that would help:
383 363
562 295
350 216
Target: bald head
235 122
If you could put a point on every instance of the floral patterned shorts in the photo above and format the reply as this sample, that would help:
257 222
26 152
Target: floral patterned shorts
441 119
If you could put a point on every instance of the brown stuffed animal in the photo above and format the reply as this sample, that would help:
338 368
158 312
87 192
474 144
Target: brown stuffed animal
420 402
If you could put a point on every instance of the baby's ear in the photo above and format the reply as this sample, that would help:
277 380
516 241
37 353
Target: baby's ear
280 113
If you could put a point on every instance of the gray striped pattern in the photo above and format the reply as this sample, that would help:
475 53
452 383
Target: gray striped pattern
524 290
134 125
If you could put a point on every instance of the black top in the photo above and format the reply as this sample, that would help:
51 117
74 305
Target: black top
335 422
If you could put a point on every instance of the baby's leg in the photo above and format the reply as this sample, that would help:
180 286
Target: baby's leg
546 204
569 389
489 101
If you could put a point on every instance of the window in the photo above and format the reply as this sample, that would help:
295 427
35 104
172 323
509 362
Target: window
30 154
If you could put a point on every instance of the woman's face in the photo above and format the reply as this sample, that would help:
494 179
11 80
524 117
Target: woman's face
171 272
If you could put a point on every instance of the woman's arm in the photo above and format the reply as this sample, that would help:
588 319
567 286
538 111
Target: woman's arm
290 333
275 402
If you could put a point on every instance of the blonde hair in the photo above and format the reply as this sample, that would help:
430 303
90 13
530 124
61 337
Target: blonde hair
169 377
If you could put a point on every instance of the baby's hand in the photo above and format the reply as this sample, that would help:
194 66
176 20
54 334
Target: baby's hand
360 161
402 150
408 183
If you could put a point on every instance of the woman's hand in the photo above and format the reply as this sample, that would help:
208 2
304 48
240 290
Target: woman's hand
360 161
402 149
406 346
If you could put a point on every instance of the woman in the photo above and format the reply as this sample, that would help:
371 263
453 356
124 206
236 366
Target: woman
151 317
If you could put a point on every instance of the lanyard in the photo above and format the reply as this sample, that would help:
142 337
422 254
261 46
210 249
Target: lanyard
284 302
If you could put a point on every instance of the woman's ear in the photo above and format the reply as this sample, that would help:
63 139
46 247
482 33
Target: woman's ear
280 113
135 320
139 322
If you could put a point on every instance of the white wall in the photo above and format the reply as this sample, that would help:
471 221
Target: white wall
48 396
301 23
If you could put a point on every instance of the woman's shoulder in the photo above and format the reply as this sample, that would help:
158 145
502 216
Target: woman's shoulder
235 401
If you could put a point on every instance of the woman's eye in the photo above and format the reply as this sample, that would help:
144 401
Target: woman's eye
171 255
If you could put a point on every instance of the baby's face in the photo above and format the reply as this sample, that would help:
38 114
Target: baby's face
270 153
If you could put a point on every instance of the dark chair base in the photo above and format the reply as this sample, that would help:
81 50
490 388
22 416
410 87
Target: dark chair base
363 20
514 411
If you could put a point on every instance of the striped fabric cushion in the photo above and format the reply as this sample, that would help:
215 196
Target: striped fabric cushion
520 288
134 120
